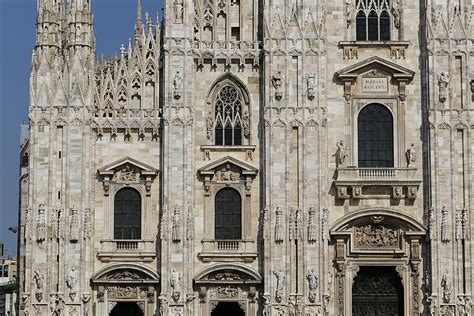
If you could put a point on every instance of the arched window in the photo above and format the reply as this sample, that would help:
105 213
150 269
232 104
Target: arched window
228 117
375 133
373 20
228 214
127 214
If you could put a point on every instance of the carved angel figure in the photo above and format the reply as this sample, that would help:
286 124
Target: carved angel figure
209 124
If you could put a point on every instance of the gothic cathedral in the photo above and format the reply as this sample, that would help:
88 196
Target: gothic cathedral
251 157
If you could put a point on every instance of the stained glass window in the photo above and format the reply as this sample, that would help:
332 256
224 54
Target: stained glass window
373 20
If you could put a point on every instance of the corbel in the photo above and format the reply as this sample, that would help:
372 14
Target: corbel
401 90
347 89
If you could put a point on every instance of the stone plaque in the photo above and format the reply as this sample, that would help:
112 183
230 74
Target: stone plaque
372 85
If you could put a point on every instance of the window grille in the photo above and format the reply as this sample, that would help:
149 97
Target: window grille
373 20
228 215
127 214
375 137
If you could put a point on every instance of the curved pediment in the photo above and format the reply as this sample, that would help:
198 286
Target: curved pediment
386 217
228 273
376 63
125 273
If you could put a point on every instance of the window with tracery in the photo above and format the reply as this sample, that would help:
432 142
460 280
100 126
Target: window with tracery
373 20
228 117
375 137
127 214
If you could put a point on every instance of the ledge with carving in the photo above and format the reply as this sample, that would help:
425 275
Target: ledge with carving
127 250
351 181
249 52
351 48
228 250
207 150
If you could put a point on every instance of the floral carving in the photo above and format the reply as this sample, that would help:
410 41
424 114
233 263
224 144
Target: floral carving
461 223
325 224
87 223
312 226
376 236
279 226
445 232
41 224
74 225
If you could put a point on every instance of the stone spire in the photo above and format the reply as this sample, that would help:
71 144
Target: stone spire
138 22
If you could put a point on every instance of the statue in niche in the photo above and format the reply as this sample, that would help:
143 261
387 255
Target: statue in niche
277 84
178 85
210 124
178 11
446 285
443 82
71 283
311 86
280 278
57 305
410 155
312 284
396 12
38 278
174 282
340 154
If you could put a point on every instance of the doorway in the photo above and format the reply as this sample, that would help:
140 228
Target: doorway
227 309
377 291
126 309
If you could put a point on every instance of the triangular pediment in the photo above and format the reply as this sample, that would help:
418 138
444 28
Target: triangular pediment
128 166
378 64
229 163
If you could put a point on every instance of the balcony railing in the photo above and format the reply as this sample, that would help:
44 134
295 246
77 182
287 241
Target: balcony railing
354 173
222 250
135 250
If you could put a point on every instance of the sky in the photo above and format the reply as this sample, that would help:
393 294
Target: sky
113 24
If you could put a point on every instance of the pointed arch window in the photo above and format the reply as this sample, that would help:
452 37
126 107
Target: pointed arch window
228 215
127 214
373 20
228 117
375 137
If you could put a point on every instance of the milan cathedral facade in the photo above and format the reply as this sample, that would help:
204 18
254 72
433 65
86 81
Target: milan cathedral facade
251 157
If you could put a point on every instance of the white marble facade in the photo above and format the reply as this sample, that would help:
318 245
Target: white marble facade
295 76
